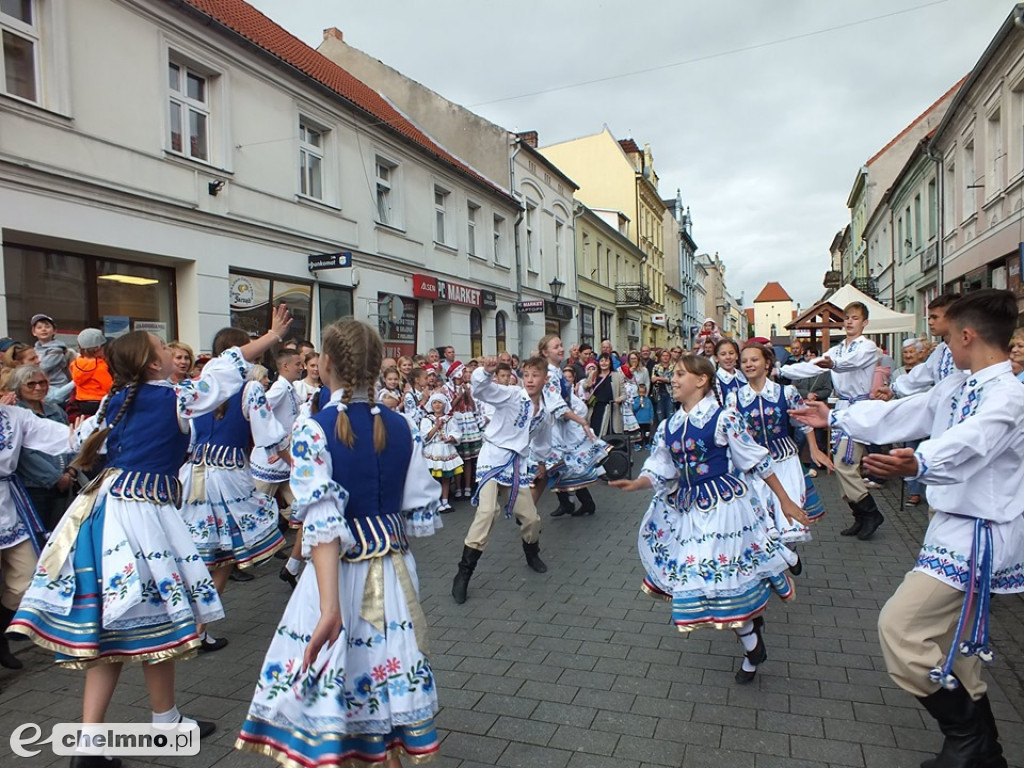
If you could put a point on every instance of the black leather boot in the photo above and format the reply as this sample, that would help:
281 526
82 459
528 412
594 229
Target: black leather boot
995 759
854 528
460 584
587 505
533 560
565 505
7 659
870 517
970 739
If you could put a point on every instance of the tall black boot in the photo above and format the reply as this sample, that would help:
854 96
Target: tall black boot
970 740
587 505
533 560
854 528
870 517
460 584
7 659
996 759
565 505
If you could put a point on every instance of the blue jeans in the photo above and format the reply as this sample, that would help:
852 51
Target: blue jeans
914 487
662 407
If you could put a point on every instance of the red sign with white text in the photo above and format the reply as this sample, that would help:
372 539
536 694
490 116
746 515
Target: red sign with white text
427 287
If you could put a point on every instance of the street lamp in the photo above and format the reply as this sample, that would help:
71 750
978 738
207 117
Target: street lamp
556 286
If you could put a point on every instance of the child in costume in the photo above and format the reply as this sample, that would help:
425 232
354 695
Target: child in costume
728 376
440 437
99 596
467 422
346 680
630 425
702 543
934 629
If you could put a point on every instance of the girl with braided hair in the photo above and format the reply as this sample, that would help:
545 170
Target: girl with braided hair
120 579
346 680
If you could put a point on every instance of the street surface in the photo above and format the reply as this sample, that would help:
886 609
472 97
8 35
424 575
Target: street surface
575 668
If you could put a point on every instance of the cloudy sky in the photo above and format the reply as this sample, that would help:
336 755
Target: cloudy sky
759 111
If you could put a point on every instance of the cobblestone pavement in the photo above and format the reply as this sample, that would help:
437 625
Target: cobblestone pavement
576 668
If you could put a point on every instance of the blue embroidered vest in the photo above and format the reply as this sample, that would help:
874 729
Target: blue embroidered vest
704 478
767 421
148 445
724 387
375 481
223 442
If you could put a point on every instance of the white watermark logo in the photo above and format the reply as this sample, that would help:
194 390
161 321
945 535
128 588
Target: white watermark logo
114 739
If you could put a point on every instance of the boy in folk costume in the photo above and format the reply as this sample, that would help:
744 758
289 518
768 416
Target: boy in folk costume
852 364
520 426
933 635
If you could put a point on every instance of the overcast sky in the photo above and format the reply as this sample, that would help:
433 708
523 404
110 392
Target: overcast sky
762 133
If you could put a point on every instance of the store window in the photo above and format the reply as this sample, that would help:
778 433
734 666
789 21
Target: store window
587 325
253 297
500 321
81 291
335 303
476 333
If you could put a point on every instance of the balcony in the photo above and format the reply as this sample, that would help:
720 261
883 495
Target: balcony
930 257
866 285
632 295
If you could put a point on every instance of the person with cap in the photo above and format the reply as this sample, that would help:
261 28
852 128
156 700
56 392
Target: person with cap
90 372
54 357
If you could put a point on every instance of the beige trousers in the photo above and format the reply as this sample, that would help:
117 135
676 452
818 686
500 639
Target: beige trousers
270 489
491 504
850 482
916 628
17 564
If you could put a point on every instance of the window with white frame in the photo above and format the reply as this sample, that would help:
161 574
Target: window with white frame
996 164
311 159
901 240
531 235
933 208
19 44
949 197
1016 129
559 245
498 234
918 223
190 110
441 196
387 191
472 211
970 180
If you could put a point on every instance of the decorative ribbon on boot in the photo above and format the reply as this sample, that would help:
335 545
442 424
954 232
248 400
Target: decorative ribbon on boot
371 609
26 510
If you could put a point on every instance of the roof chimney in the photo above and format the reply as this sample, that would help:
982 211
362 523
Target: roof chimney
335 33
529 137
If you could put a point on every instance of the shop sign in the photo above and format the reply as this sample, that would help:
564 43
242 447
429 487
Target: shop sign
396 318
488 300
562 312
658 319
330 260
427 287
246 293
529 307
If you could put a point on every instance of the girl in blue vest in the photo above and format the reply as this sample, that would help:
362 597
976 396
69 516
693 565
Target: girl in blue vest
728 377
764 407
231 522
346 680
120 579
702 541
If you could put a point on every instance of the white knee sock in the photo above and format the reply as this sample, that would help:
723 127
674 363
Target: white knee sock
747 636
292 566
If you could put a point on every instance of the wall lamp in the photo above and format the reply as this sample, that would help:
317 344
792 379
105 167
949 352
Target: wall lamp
214 187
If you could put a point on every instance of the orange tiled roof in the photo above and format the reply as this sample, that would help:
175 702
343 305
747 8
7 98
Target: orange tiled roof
629 145
773 292
917 120
249 23
750 315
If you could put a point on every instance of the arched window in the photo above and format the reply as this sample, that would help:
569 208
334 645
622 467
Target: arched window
499 331
476 333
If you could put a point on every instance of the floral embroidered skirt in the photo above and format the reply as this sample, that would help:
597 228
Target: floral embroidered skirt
132 588
470 436
578 458
799 488
230 521
719 567
367 696
443 459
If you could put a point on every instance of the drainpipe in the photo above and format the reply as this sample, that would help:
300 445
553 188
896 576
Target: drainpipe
517 143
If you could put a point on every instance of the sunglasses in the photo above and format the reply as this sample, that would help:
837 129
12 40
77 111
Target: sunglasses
37 384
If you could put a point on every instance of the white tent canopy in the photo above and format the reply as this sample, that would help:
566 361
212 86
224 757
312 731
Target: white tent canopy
881 319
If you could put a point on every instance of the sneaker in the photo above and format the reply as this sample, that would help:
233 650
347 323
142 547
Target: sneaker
872 485
913 500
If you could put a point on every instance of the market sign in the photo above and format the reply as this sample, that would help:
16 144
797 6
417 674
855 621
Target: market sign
427 287
529 307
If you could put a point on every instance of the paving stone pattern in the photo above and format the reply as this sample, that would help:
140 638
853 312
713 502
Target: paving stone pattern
577 669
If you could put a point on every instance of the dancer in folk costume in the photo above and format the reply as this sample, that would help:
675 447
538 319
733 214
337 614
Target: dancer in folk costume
389 392
440 438
728 376
702 543
934 629
231 521
764 407
467 421
630 426
414 403
852 364
22 531
346 680
577 453
514 456
120 579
